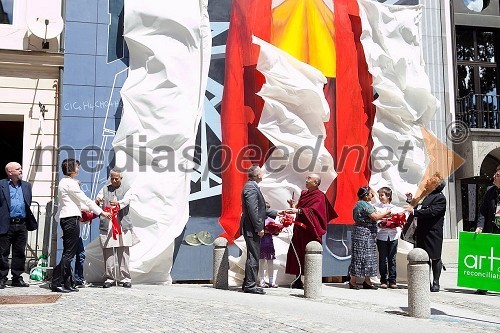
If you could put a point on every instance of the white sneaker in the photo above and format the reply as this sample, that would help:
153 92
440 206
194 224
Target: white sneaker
84 284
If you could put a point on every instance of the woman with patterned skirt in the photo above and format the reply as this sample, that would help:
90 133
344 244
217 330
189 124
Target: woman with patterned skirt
364 239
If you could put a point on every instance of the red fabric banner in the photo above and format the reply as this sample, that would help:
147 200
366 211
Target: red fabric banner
349 95
354 111
241 107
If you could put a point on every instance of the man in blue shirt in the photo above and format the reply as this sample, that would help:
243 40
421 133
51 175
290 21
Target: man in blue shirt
16 219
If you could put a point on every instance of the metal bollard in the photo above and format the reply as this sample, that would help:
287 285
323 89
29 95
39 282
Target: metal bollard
313 270
221 264
418 284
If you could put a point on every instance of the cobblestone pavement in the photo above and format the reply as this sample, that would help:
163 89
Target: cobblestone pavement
200 308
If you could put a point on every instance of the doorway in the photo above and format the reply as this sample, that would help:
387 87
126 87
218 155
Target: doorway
11 144
474 188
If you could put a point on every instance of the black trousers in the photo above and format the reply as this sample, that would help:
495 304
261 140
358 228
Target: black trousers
63 274
252 263
387 252
16 238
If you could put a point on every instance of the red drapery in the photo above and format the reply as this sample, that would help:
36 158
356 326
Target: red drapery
241 107
354 110
349 95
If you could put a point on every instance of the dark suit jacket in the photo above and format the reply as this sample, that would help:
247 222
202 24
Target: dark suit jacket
429 233
487 212
31 222
254 212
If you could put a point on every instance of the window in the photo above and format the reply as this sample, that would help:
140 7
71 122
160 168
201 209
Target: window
477 5
477 79
476 61
6 11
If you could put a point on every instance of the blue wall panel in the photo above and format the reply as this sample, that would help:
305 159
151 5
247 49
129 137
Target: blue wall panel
86 43
81 11
93 76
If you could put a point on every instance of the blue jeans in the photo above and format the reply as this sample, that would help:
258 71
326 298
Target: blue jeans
79 260
387 251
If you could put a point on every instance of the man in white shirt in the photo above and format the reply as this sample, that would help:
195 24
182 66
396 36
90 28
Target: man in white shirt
116 240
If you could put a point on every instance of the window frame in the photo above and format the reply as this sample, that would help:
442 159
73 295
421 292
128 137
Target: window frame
476 64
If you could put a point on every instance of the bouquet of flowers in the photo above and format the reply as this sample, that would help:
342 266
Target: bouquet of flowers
273 228
88 216
394 221
286 221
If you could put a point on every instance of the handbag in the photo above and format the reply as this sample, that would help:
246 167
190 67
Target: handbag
408 232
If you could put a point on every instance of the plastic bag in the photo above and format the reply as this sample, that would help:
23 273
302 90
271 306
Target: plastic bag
38 273
408 233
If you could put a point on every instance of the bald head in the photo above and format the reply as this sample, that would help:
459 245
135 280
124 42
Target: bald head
14 171
116 178
312 181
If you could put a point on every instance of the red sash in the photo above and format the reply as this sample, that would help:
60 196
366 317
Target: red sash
116 228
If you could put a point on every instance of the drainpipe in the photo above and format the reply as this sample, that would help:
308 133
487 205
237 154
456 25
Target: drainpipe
454 191
52 243
63 33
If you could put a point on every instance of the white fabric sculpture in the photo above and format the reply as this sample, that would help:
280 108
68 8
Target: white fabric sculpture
392 46
169 43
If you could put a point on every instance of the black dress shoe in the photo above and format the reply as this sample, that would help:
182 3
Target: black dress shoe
127 285
2 284
106 285
298 284
353 286
434 288
258 291
243 284
369 286
71 289
19 283
59 290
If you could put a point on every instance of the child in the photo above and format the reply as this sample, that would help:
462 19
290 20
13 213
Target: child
387 242
267 253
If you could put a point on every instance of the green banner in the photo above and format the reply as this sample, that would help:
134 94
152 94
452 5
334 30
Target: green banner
479 261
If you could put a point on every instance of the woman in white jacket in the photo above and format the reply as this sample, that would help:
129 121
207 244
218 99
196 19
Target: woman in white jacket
71 199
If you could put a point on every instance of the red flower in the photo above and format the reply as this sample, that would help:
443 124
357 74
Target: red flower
273 228
287 220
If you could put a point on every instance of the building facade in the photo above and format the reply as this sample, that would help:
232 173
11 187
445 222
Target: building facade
62 99
476 27
31 63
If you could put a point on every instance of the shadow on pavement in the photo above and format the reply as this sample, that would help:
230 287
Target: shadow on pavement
436 312
469 291
344 285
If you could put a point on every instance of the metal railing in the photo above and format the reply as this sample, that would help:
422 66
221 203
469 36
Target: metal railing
33 249
479 111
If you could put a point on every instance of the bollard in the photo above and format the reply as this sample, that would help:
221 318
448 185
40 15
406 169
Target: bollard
418 284
313 270
221 264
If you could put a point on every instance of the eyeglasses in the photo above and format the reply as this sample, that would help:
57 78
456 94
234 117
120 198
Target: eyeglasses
496 175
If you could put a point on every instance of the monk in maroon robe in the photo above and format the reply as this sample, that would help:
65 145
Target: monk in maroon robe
313 212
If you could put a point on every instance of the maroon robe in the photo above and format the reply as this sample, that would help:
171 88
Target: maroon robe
315 214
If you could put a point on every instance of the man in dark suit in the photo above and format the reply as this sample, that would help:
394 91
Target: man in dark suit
489 220
430 208
254 213
16 219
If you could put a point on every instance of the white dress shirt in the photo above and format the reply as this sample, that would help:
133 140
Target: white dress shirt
72 198
390 234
